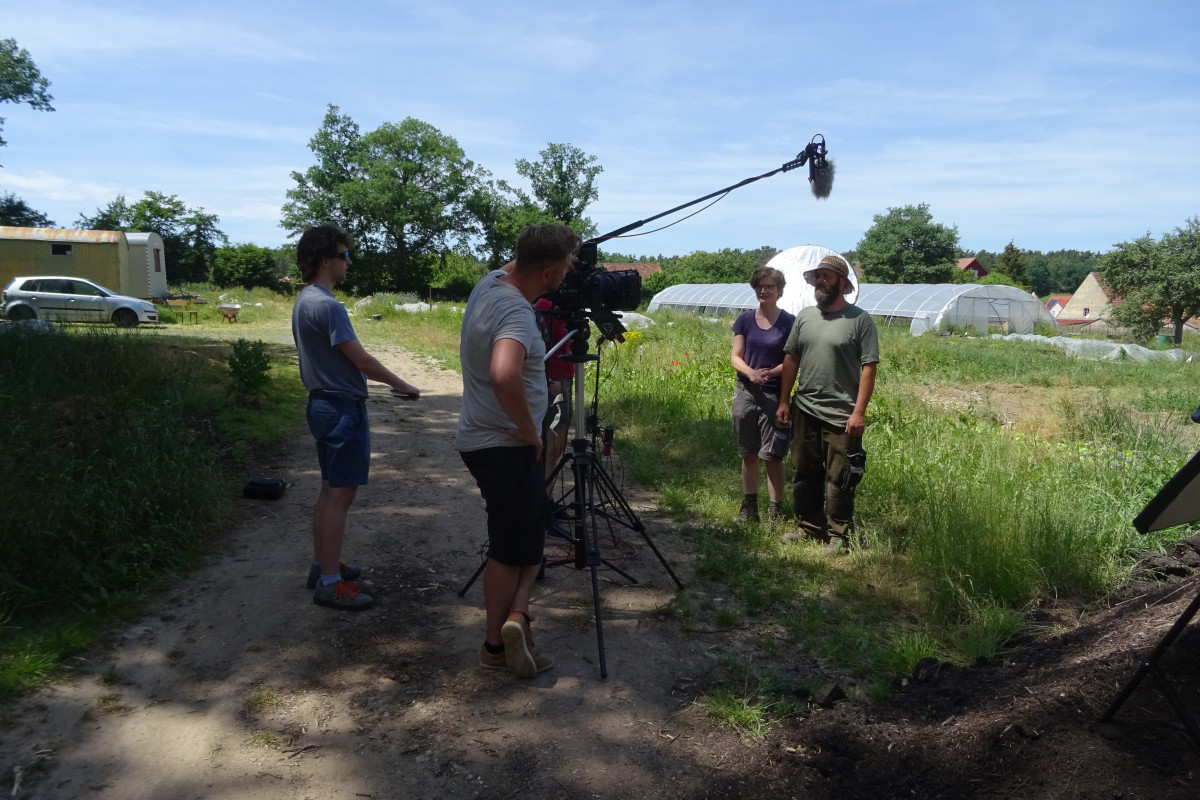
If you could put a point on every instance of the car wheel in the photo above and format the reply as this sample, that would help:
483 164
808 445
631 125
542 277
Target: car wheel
124 318
22 312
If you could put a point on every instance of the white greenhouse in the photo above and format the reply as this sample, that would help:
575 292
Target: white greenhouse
923 306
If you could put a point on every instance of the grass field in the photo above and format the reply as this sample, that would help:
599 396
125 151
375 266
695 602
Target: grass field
999 473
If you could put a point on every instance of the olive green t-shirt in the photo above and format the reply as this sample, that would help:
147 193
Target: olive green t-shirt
832 349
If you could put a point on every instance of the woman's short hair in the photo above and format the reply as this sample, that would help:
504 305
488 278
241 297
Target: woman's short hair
764 274
319 242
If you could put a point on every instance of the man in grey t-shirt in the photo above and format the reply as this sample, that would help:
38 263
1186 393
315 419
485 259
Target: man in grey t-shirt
500 439
834 350
335 367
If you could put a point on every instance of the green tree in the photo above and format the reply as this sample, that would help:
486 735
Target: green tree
318 196
1011 264
406 193
15 211
413 190
564 182
905 245
190 236
245 265
21 81
1156 281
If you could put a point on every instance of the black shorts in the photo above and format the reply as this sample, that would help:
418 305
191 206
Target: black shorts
512 484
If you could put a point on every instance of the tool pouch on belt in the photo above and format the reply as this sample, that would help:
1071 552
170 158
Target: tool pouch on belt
856 465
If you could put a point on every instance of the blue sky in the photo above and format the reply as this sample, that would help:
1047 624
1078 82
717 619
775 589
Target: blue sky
1050 124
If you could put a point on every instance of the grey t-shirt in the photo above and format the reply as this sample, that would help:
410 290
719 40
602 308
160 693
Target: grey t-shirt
832 349
495 311
319 324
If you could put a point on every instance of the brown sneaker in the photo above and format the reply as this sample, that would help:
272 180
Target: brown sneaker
492 660
516 650
522 657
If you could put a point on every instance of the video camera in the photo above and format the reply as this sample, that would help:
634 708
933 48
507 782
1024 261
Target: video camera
595 293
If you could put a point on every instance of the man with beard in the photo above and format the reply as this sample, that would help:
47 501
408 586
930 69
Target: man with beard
834 351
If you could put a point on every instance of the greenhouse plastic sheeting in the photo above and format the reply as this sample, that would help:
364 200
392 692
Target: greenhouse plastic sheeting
734 298
1099 350
923 306
966 305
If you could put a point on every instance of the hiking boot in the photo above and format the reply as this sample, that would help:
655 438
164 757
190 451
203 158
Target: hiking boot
749 511
837 544
342 596
492 660
349 573
522 657
775 514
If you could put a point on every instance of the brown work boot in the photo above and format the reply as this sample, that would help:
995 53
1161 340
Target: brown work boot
749 511
775 513
523 658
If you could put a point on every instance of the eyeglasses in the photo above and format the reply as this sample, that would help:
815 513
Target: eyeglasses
765 286
344 255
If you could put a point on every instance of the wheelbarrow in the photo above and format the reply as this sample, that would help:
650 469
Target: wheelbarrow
229 311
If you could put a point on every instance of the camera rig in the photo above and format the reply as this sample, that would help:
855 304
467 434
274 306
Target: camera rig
599 294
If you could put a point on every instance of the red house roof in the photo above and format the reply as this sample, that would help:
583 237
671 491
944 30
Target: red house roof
972 264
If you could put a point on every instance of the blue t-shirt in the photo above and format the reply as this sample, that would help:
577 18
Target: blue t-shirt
319 324
764 348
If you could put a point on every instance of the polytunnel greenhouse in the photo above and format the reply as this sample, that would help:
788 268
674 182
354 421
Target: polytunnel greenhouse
922 306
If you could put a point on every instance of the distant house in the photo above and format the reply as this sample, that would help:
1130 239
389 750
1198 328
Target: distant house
1090 305
643 269
1057 303
973 265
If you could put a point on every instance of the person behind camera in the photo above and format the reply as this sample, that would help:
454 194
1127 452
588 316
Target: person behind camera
831 357
499 436
758 339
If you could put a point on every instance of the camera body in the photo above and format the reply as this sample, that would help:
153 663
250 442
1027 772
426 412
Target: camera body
598 293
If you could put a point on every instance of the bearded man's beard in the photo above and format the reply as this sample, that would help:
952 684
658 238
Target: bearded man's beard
825 296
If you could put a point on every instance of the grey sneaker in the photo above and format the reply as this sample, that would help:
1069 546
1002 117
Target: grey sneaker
342 596
837 544
349 573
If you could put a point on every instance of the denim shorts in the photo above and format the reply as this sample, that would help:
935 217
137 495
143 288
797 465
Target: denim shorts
339 424
511 482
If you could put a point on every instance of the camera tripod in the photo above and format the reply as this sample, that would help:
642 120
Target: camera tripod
592 497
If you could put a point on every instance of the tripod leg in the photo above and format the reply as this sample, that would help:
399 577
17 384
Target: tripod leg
463 591
599 623
604 479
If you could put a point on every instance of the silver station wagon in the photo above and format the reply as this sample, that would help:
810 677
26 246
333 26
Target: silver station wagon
55 298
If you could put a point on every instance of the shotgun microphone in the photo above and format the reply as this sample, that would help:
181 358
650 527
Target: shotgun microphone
820 168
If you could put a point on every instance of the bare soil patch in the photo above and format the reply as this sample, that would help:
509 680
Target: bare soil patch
235 685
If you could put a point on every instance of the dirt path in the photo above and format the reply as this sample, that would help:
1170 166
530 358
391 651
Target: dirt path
235 685
238 686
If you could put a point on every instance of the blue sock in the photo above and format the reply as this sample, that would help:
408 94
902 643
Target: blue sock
329 580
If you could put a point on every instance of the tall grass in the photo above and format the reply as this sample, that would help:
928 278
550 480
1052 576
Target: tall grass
116 465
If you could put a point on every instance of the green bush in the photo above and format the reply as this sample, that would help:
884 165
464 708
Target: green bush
249 370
